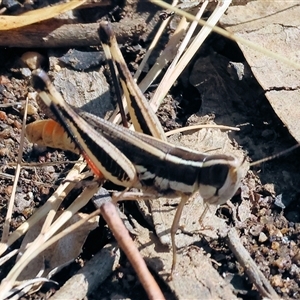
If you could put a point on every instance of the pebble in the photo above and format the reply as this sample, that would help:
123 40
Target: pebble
44 190
256 229
4 152
17 124
262 237
8 190
5 133
30 196
3 116
275 245
32 59
31 110
25 72
277 281
296 259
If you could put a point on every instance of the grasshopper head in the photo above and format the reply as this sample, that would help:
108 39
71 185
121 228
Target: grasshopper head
220 178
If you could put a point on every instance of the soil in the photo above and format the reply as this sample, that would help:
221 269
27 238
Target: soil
265 211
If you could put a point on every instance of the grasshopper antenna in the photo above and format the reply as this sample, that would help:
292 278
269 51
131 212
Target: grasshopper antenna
275 155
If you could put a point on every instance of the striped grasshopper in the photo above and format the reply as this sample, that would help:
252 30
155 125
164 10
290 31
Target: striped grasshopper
137 160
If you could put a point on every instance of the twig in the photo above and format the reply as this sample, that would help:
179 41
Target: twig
45 239
229 35
111 216
58 33
244 258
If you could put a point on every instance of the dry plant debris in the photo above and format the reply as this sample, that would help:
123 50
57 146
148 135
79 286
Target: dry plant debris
276 27
265 212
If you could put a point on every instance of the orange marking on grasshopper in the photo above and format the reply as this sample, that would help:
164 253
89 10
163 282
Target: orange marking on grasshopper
51 134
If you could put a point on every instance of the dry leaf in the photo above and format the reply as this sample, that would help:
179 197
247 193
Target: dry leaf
38 15
274 25
60 253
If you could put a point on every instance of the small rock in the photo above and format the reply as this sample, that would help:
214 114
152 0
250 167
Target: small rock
4 80
4 151
10 120
278 201
256 229
3 116
17 124
31 110
275 245
57 68
282 263
49 169
295 270
8 190
236 70
5 134
32 59
26 72
277 281
44 190
296 259
30 196
21 203
262 237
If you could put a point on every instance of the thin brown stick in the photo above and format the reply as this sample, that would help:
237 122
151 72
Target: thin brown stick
244 258
111 216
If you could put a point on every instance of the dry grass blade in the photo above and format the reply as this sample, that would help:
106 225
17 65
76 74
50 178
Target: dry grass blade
52 204
175 71
153 44
166 56
38 15
44 240
229 35
110 214
198 127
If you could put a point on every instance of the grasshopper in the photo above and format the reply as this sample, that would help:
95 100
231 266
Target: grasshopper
137 160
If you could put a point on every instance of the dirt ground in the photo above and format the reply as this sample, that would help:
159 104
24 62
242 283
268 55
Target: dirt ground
265 210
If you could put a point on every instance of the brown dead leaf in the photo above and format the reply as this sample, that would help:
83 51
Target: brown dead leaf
60 253
274 25
38 15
